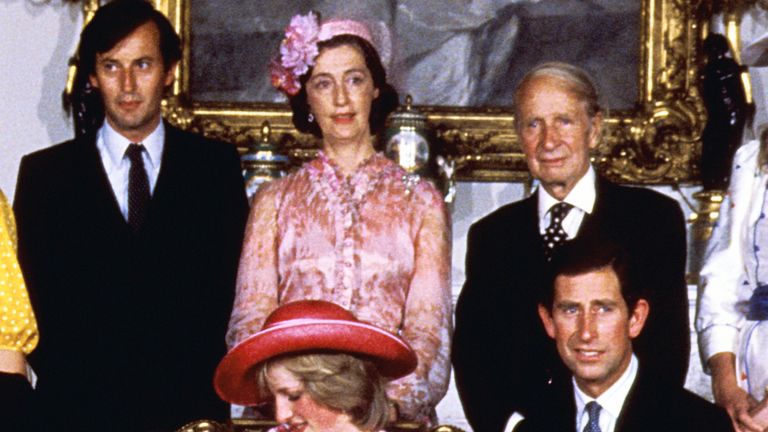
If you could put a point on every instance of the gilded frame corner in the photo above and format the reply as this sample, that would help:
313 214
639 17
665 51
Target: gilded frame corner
657 142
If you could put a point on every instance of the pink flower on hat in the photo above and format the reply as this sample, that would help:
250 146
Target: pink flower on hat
299 48
297 53
283 78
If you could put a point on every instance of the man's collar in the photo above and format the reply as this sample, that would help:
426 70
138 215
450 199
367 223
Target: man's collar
612 400
582 196
116 144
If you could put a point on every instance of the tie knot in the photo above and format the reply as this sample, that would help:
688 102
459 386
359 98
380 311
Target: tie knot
134 152
560 210
593 410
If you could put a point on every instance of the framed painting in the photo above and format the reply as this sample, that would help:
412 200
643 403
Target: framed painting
461 69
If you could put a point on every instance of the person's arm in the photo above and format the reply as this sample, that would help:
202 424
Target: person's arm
718 319
224 226
257 275
478 348
729 395
427 316
18 334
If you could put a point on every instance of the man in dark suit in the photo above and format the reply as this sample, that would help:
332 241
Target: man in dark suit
129 237
594 309
501 355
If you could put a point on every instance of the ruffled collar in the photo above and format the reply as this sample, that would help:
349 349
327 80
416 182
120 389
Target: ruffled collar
359 183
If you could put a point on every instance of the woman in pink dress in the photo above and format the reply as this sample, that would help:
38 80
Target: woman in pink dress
346 227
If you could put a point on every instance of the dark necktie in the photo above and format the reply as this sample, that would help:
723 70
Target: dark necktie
554 235
138 187
593 425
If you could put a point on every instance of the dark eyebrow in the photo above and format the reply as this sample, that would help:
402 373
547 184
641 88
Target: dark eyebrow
105 59
346 72
563 304
605 302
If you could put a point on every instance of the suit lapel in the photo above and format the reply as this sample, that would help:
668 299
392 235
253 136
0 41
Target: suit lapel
168 164
171 178
639 411
557 412
568 402
528 232
95 187
595 222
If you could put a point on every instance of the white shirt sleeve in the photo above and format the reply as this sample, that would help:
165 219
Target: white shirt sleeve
722 277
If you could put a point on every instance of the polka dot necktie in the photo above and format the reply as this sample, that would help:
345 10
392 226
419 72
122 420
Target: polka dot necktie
138 187
593 425
555 235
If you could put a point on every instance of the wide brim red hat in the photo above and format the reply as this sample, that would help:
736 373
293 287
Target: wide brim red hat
308 326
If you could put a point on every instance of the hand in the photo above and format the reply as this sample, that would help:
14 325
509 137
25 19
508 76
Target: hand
760 412
741 407
730 396
12 362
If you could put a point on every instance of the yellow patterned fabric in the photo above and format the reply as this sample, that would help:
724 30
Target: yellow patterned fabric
18 328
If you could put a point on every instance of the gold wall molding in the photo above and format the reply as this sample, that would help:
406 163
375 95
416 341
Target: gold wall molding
656 142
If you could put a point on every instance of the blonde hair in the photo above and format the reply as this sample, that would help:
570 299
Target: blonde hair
576 80
339 381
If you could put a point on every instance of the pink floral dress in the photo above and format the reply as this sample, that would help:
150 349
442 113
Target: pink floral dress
366 242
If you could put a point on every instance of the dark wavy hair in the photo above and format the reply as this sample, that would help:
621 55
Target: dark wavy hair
593 253
112 23
381 107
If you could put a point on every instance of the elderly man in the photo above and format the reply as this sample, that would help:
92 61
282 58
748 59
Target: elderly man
594 309
501 356
129 237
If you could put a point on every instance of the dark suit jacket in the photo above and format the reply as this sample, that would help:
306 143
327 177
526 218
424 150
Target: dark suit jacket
650 406
501 355
131 325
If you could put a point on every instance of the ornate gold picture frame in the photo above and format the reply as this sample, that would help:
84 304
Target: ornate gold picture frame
655 142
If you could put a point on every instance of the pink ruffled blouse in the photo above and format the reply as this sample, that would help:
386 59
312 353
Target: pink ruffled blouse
366 242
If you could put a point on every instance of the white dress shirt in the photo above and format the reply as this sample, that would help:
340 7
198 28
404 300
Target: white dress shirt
582 197
112 147
611 401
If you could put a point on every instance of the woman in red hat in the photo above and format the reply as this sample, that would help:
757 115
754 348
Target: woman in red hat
322 369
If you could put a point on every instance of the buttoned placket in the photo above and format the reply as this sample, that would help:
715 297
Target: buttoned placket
346 267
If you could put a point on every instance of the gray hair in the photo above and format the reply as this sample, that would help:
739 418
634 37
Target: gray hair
576 80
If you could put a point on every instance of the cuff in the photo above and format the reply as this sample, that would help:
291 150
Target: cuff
717 339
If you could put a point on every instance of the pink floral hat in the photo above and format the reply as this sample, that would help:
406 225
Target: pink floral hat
298 50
